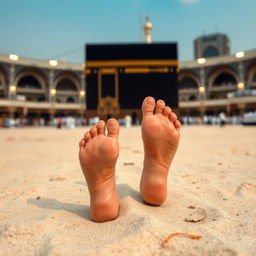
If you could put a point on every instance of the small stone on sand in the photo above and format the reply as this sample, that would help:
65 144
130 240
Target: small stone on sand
56 178
198 215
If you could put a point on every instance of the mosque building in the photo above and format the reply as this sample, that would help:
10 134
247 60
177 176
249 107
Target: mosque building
215 81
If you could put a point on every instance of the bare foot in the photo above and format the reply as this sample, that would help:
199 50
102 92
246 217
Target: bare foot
160 133
98 155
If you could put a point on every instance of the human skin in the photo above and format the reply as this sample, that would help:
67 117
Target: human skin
160 134
99 151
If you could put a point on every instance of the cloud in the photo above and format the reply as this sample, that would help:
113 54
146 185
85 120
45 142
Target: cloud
189 1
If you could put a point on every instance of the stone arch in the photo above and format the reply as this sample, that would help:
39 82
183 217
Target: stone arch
227 73
29 82
67 88
32 75
2 78
190 79
3 83
32 84
252 75
210 51
67 81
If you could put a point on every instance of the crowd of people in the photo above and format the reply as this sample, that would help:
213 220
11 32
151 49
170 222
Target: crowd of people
220 119
70 122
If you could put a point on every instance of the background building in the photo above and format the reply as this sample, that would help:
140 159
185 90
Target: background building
211 45
40 89
45 89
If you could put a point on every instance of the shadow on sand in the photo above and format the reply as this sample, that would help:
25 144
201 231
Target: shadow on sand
82 211
53 204
125 190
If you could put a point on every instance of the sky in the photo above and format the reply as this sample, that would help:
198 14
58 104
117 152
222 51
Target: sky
59 29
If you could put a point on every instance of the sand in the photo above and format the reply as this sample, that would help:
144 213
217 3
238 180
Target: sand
211 192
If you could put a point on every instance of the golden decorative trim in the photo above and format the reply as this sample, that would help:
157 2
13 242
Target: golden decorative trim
126 63
99 85
146 70
160 70
137 70
116 85
108 71
108 105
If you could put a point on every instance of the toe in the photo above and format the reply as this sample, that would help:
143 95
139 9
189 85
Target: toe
101 127
148 106
82 143
173 117
167 111
160 104
93 131
177 124
87 137
112 127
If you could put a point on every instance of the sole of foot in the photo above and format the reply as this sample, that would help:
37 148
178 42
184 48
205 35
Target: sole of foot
160 133
98 153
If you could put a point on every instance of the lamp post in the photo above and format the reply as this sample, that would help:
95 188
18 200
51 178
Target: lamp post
12 91
202 98
240 86
52 94
52 101
82 94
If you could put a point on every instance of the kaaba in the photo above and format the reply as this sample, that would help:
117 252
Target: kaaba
120 76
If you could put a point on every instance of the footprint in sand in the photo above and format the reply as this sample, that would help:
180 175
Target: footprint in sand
246 189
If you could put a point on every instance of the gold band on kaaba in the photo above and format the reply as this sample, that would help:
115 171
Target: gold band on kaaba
119 76
131 63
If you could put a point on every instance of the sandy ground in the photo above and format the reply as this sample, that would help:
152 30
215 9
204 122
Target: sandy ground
44 199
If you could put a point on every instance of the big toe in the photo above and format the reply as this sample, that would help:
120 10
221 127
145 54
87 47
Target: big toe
112 127
148 106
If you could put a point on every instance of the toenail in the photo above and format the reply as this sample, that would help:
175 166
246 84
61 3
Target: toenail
112 122
161 102
150 100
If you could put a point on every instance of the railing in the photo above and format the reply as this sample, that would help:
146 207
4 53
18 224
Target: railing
218 102
188 90
40 105
223 87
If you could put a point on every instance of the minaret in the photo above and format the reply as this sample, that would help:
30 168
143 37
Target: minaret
147 29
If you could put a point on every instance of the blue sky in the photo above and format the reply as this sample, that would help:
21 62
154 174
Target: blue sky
58 29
